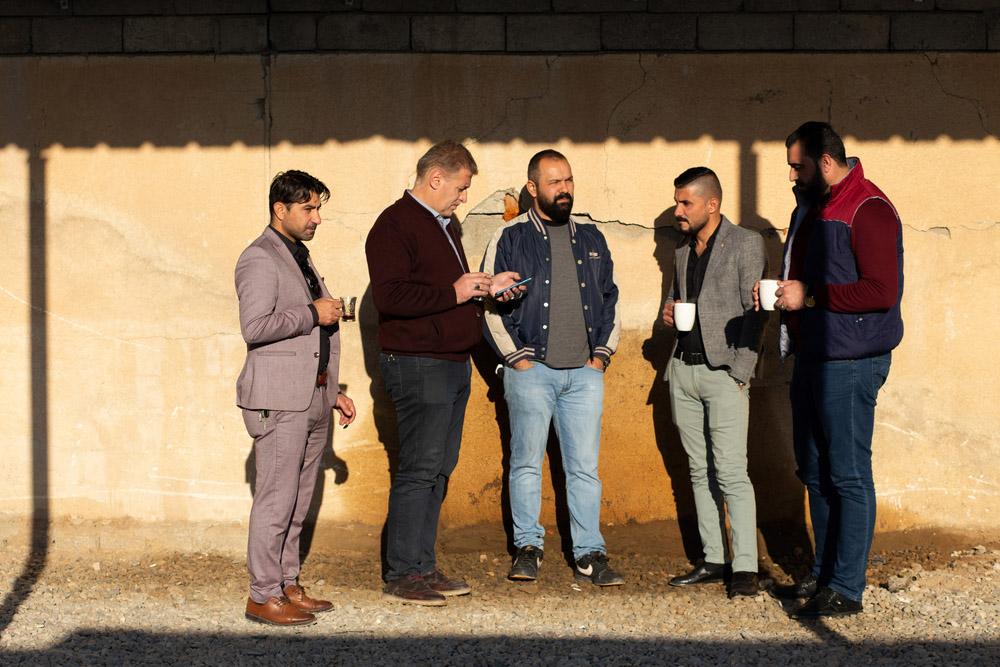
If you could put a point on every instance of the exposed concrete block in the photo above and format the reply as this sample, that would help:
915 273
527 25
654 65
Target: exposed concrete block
82 34
938 31
121 7
220 6
993 25
364 32
15 35
314 5
887 5
967 5
649 32
842 32
242 34
35 8
292 32
745 32
409 6
504 6
470 32
581 32
695 5
791 5
152 34
599 5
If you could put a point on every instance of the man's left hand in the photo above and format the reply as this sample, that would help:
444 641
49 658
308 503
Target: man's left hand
506 279
345 406
597 364
791 295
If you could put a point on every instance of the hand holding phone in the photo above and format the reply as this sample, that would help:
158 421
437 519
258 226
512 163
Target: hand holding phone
512 286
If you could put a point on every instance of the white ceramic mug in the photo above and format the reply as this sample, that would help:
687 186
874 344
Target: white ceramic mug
767 294
684 315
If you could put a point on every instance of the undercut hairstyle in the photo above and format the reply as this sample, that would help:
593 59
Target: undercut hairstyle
448 156
704 178
295 187
536 160
818 139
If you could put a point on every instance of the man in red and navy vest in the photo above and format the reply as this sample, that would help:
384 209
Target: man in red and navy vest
840 296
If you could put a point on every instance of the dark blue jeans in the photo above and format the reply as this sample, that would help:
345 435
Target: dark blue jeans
833 417
430 397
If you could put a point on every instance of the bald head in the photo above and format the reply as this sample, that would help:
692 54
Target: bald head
702 181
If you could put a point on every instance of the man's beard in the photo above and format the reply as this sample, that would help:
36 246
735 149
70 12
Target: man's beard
558 209
814 189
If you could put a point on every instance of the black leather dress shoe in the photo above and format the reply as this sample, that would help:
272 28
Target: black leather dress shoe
743 583
701 574
803 589
827 602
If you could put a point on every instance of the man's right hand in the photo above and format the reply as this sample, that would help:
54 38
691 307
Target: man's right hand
668 313
522 365
329 310
472 285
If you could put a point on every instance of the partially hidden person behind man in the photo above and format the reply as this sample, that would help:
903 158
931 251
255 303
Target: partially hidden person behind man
556 343
286 390
429 321
840 301
710 372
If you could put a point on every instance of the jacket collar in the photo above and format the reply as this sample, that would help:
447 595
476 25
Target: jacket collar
539 224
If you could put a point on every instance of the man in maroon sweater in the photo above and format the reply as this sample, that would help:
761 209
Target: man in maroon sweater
840 297
429 321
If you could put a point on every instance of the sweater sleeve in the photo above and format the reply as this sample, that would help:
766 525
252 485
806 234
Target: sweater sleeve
395 289
873 240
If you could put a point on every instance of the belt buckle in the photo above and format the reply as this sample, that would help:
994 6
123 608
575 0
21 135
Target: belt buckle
321 379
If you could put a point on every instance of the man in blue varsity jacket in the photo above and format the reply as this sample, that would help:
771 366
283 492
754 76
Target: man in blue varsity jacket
556 340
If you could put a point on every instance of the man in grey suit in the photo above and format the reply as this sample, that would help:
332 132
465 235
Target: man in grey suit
710 372
289 323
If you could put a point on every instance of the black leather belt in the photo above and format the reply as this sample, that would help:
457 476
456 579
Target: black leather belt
690 358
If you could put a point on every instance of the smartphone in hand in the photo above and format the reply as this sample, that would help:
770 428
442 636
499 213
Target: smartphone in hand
517 284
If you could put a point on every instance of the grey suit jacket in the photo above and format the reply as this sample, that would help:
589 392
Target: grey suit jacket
277 325
730 329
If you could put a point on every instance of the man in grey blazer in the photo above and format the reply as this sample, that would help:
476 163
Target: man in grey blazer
286 390
710 373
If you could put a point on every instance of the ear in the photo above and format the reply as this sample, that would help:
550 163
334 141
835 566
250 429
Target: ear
713 205
279 210
434 178
532 189
826 163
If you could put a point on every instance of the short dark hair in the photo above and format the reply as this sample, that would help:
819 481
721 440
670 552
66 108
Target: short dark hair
536 160
709 178
295 187
448 155
818 139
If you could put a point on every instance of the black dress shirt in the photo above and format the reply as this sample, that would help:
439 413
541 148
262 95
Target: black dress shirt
301 255
691 341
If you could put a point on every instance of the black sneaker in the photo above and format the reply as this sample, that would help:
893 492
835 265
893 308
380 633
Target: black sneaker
594 567
526 563
804 589
743 583
827 602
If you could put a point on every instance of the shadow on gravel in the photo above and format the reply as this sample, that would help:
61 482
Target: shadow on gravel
93 647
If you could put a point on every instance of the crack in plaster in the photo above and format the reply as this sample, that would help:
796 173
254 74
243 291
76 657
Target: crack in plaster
73 323
975 102
549 62
614 110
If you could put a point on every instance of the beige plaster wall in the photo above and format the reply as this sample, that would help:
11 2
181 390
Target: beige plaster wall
150 176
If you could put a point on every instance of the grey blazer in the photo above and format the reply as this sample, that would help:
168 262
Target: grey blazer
730 329
277 325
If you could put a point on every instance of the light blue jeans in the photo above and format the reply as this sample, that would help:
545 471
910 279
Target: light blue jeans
574 399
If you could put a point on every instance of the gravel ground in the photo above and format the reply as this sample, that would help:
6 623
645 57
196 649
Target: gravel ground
171 608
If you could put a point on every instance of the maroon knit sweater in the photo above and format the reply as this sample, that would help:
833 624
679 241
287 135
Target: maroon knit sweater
412 269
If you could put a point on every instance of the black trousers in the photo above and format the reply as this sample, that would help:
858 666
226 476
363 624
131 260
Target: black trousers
430 396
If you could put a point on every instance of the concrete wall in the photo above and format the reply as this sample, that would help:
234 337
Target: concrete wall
131 185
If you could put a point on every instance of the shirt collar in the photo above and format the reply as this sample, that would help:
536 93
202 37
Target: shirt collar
437 216
298 249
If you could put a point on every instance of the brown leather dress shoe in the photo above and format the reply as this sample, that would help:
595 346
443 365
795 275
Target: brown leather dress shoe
277 611
412 589
297 596
437 581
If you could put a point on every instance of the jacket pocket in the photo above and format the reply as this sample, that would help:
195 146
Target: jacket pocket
276 353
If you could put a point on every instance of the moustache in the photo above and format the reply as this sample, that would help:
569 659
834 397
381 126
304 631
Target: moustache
563 198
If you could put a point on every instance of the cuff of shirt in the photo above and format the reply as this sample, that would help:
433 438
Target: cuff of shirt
312 309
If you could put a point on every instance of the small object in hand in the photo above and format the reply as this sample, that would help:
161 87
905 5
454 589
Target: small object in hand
348 303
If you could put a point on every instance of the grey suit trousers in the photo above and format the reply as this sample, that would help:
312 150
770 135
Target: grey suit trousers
712 415
288 447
